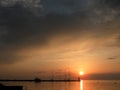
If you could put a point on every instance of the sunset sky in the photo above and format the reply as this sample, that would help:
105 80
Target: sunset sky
44 36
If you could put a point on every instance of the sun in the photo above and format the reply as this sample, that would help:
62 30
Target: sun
81 73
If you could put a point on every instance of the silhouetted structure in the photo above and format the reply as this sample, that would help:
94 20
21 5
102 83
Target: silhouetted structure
68 78
37 80
78 78
3 87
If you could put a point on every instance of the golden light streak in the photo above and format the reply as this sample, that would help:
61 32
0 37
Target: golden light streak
81 85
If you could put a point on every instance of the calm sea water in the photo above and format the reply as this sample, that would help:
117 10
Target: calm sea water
82 85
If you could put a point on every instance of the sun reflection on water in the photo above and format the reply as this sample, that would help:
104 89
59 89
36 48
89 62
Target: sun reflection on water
81 85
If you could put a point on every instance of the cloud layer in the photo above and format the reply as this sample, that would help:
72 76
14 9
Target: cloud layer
28 23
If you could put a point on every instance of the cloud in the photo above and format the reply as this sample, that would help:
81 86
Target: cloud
111 3
22 27
8 3
115 41
112 58
10 58
67 6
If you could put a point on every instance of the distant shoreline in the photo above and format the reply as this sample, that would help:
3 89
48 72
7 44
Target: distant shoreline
39 80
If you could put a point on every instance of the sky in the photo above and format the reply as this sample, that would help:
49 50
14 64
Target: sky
38 37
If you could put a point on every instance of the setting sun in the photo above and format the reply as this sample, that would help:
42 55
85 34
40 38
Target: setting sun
81 73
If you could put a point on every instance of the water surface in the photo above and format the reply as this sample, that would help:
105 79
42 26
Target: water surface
82 85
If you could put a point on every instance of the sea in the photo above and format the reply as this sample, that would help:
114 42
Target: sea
82 85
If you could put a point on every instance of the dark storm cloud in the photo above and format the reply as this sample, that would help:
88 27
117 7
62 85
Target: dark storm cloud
67 6
23 25
111 3
21 28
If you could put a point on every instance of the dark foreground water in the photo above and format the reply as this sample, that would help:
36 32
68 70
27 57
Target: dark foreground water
82 85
